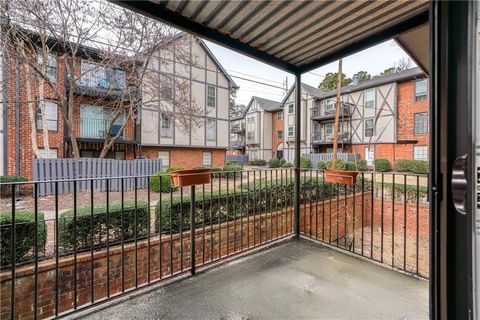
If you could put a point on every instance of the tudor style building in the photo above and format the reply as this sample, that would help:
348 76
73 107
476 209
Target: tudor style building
385 117
205 141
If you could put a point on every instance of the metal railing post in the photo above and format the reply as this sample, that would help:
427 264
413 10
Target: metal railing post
298 103
192 230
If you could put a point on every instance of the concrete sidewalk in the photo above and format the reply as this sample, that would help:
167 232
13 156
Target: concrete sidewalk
295 280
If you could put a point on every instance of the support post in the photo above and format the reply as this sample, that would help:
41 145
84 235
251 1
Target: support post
192 230
298 103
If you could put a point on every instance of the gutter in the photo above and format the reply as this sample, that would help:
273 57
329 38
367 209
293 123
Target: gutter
17 117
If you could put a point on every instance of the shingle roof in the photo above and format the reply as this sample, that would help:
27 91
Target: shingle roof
268 105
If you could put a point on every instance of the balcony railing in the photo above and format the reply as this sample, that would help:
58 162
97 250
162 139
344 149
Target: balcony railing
97 244
237 128
237 143
99 82
318 137
98 128
318 113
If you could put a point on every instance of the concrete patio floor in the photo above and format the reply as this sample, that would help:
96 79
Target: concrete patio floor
293 280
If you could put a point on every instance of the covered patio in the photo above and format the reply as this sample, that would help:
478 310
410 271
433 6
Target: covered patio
291 280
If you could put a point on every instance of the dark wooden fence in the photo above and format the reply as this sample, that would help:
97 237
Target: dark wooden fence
84 168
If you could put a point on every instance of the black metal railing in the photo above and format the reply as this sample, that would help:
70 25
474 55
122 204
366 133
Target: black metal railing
68 251
383 217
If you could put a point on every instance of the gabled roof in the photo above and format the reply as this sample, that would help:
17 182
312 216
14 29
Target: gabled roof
404 75
400 76
266 104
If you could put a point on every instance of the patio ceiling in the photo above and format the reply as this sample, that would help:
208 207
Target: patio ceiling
296 36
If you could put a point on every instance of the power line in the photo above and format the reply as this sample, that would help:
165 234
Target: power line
253 76
259 82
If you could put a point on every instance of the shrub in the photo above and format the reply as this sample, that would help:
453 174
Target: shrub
382 165
362 165
6 190
232 170
231 162
287 165
274 163
257 162
166 180
305 162
322 165
350 166
282 162
415 166
85 226
24 236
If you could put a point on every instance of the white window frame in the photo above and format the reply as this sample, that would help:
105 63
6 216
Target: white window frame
370 155
420 114
164 155
328 127
422 95
369 103
51 115
291 108
280 115
290 131
328 106
211 133
51 71
53 154
365 128
166 126
211 96
207 159
420 153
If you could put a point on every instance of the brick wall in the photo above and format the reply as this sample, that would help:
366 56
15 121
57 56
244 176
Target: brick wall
187 158
241 234
277 125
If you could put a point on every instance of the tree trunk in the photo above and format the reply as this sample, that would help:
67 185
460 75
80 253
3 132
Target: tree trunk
41 99
337 116
31 112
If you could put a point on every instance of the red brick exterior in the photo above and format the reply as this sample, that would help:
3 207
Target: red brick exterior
277 125
56 138
406 137
186 158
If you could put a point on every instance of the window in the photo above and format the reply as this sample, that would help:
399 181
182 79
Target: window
421 90
329 129
280 115
211 129
50 109
369 98
251 119
329 104
290 108
51 66
290 131
166 128
368 128
253 155
165 157
420 123
251 136
95 75
207 159
420 153
211 97
280 134
370 155
166 87
95 121
51 154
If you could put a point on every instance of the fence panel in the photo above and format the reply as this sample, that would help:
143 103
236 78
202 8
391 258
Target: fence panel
239 158
315 157
84 168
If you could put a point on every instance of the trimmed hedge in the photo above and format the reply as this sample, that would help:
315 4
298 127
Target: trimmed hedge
165 180
382 165
305 162
257 162
84 226
24 236
415 166
6 190
399 191
232 170
362 165
322 165
274 163
287 165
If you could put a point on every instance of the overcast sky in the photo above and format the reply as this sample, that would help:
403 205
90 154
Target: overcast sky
374 60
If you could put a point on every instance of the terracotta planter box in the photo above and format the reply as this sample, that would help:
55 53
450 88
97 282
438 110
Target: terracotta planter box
185 178
343 177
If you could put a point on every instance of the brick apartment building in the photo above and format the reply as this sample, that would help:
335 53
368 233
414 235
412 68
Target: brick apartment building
204 143
385 117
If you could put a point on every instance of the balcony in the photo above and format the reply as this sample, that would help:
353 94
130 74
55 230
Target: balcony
321 139
136 237
106 87
318 114
237 128
98 128
237 144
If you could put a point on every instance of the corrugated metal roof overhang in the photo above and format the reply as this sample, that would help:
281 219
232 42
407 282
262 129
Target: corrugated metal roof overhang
296 36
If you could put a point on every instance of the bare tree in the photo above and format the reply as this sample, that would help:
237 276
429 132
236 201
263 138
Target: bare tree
100 40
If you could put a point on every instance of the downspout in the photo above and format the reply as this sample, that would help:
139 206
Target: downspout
5 109
298 102
17 117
